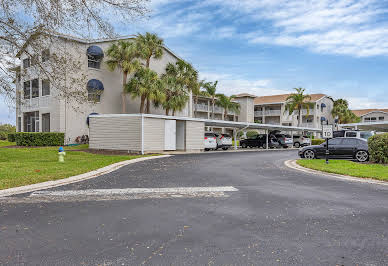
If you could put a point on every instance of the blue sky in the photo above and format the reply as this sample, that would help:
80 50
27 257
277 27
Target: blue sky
263 47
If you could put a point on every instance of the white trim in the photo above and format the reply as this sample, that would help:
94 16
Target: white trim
377 111
142 134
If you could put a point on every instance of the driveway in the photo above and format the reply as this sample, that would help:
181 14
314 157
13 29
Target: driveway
259 213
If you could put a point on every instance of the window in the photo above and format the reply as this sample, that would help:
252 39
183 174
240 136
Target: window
27 89
31 122
45 55
335 141
373 119
19 124
94 95
26 63
18 77
94 62
309 120
381 118
349 142
46 122
35 88
45 87
367 119
351 134
365 134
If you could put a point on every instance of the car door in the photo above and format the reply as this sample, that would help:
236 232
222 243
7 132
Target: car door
347 148
333 145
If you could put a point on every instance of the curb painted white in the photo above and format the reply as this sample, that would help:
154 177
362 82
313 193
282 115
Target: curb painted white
292 164
229 151
74 179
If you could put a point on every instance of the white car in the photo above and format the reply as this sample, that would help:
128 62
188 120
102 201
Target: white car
301 141
210 141
224 141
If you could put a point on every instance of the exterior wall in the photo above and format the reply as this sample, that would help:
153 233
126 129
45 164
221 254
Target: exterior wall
195 132
246 109
115 133
376 115
153 134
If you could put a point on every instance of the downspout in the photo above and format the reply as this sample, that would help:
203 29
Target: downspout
142 134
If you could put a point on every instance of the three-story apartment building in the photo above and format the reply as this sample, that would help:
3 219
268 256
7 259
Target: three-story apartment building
272 110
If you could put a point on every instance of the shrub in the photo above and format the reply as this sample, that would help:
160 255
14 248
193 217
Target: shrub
378 148
3 135
252 133
39 138
317 141
11 137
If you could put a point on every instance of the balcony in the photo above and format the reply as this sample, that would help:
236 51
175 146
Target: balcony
28 105
272 112
258 113
202 107
309 125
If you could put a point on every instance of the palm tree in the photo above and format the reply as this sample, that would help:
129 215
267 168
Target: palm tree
122 55
149 45
298 101
176 95
211 88
227 103
197 92
340 110
146 85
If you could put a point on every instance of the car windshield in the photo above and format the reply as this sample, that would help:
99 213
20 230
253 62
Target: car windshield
366 135
226 135
288 136
209 135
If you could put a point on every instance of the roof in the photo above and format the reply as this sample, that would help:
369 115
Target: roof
281 98
376 126
90 41
362 112
244 95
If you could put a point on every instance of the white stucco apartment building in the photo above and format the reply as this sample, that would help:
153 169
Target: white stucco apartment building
372 115
41 108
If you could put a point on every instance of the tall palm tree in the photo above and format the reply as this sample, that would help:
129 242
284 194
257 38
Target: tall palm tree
197 92
149 46
228 104
122 55
146 85
340 110
211 89
176 94
298 101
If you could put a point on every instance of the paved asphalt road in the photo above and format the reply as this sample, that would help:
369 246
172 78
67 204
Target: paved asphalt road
278 216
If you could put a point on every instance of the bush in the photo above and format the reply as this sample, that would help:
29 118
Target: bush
11 137
317 141
252 133
39 138
3 135
378 148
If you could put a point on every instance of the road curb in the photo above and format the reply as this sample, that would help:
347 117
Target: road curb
293 165
231 151
74 179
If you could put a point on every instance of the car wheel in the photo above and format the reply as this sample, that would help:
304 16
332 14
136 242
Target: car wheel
362 156
309 154
225 148
244 145
206 149
297 144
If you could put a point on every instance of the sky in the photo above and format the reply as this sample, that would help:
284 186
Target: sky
264 47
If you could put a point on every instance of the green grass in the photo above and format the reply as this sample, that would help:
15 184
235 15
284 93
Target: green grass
24 166
6 143
375 171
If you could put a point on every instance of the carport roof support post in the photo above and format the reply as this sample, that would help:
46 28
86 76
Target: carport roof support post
266 139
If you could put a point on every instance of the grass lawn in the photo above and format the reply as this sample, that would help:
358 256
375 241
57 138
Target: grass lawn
6 143
375 171
24 166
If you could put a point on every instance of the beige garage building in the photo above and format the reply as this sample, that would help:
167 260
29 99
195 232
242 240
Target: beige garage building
145 133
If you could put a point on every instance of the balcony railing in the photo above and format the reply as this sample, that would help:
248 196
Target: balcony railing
202 107
258 113
310 125
34 103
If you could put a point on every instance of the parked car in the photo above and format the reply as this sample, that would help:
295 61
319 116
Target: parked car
301 141
210 141
260 141
224 141
340 148
285 140
353 134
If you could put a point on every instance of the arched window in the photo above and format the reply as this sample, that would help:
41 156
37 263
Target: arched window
95 55
95 89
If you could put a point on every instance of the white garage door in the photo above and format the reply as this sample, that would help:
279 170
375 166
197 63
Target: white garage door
170 135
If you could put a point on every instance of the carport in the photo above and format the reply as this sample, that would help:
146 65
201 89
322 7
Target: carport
370 126
154 133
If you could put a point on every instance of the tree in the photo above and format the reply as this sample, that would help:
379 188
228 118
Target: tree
24 22
146 85
342 113
176 95
197 92
211 89
149 46
298 101
123 55
227 103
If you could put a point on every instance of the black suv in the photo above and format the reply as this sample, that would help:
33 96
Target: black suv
260 141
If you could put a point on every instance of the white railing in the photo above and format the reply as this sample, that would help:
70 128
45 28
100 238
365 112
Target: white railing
310 125
218 109
304 112
202 107
272 112
34 103
258 113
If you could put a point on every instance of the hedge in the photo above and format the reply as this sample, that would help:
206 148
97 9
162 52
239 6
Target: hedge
252 133
317 141
3 135
378 148
39 138
11 137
